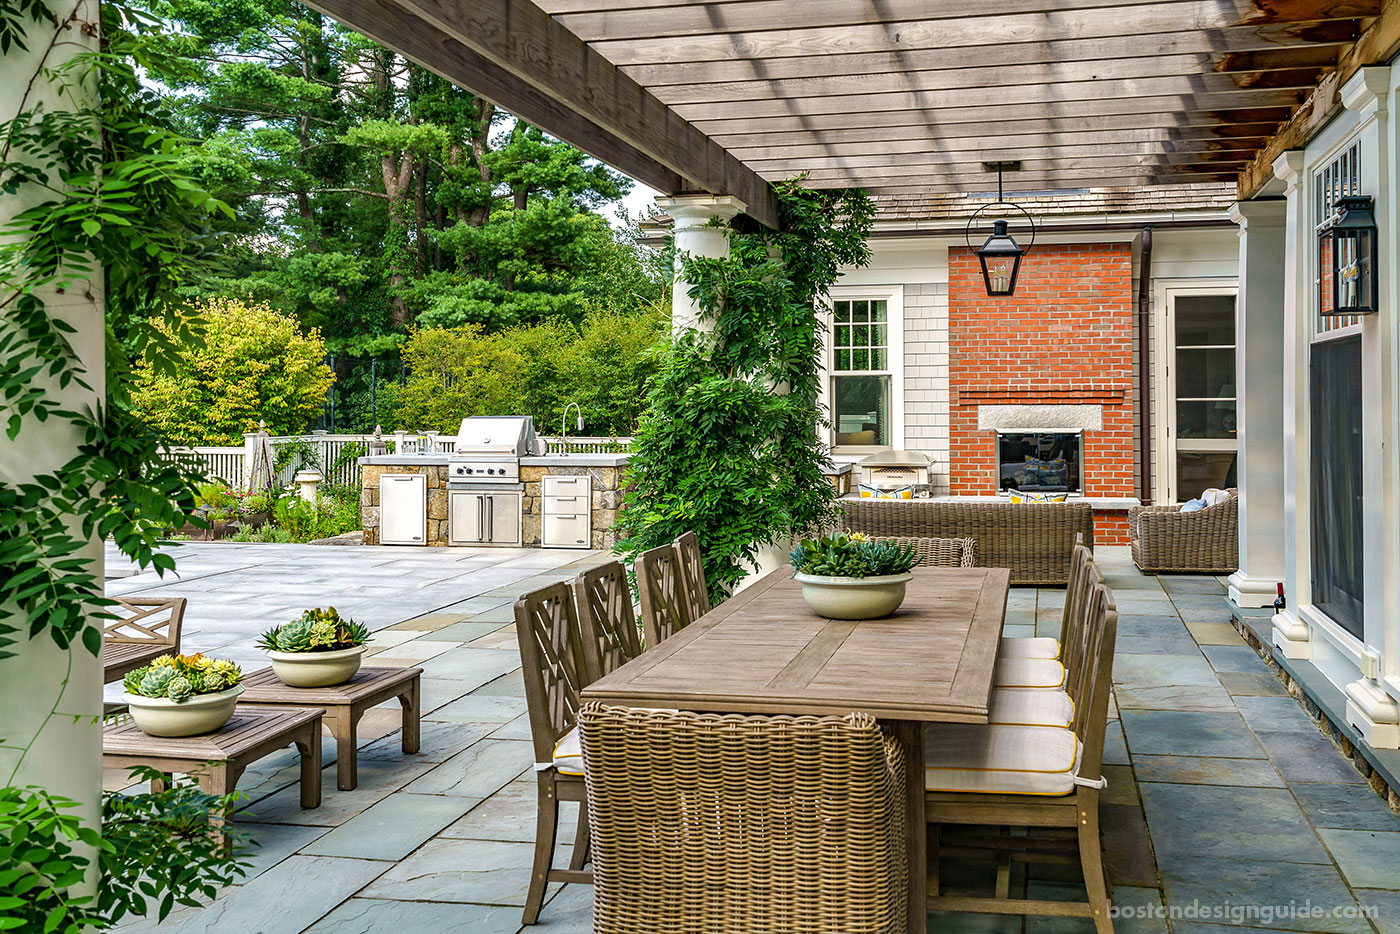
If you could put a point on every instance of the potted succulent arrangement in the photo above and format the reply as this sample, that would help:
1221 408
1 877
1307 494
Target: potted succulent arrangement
182 695
849 576
317 649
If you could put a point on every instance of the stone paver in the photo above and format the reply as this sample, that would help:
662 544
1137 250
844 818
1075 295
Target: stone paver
1222 793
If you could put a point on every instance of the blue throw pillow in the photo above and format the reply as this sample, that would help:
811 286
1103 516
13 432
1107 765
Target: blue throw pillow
1193 505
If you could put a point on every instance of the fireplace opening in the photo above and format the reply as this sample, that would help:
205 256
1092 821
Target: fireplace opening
1039 461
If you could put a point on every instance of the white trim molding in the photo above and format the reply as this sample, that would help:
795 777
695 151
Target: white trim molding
1374 714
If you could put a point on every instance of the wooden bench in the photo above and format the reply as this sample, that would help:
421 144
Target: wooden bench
152 629
344 705
217 760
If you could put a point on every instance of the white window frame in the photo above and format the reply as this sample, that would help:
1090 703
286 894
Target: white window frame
893 297
1165 426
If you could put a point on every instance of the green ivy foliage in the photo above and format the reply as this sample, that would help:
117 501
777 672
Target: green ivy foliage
729 448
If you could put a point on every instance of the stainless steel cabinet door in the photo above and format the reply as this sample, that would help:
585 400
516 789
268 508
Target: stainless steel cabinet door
403 509
466 520
503 518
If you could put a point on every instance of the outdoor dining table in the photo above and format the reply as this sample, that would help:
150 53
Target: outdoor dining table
764 652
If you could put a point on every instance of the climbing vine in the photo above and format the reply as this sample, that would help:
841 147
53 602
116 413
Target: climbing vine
730 448
110 218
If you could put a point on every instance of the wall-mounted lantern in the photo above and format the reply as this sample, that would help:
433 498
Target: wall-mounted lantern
1000 255
1351 238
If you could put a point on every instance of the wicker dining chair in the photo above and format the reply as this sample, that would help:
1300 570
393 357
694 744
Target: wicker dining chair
1029 776
609 624
732 824
695 587
552 663
665 610
939 552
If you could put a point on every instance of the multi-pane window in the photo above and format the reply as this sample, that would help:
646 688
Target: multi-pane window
1205 402
861 374
1342 176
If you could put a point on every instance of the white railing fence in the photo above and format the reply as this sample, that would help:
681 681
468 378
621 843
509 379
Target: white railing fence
232 464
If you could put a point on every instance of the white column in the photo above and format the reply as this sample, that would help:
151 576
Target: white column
696 234
1290 633
1259 388
64 755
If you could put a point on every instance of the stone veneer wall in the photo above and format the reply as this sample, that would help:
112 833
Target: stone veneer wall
606 500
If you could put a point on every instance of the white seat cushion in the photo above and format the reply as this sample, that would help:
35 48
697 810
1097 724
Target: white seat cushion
1020 760
1031 707
1029 647
1028 673
568 754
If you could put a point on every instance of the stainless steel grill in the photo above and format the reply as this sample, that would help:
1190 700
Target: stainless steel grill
489 448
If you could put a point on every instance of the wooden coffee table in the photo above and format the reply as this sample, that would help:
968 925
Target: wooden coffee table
344 704
217 760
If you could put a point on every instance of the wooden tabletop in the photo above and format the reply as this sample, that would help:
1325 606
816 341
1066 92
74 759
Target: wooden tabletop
248 727
264 687
764 651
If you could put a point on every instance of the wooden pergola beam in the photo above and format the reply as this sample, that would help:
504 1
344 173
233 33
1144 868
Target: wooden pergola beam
1083 131
1029 159
656 21
1040 176
1377 45
973 29
593 99
1007 148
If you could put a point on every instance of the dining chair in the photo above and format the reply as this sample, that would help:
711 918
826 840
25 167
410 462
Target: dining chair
144 629
664 608
554 669
939 552
1028 776
606 619
696 588
733 824
1075 594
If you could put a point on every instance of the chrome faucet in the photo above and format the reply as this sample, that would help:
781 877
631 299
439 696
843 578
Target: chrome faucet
564 426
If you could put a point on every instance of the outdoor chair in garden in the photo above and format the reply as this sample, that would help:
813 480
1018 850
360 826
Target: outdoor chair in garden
696 589
732 824
553 666
1038 777
148 627
606 618
665 610
1206 541
939 552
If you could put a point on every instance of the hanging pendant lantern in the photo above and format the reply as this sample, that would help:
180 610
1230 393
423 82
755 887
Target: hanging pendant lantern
1354 256
1000 255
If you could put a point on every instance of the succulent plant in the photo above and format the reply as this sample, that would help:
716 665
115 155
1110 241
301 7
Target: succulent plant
852 554
295 636
315 630
180 677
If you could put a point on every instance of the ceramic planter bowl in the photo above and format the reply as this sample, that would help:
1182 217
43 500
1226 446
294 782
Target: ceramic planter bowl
853 597
200 713
316 669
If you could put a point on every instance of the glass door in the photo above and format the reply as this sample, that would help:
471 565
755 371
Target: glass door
1202 417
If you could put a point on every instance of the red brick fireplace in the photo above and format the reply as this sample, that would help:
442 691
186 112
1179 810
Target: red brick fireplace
1064 338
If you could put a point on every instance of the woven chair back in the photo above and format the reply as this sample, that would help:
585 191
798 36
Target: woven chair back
662 593
1095 679
730 823
551 662
146 621
939 552
697 591
606 619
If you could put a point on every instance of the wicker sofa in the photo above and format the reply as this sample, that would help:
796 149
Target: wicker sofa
1035 540
1206 541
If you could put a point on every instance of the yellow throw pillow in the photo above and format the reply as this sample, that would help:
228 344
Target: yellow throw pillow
870 492
1019 497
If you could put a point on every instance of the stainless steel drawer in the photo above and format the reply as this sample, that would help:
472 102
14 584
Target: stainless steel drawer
567 486
566 530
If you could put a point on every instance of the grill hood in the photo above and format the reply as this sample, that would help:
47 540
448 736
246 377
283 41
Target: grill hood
499 435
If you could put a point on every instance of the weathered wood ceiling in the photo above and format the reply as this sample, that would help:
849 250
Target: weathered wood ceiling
903 95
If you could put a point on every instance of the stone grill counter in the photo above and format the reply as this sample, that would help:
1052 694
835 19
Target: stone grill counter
603 470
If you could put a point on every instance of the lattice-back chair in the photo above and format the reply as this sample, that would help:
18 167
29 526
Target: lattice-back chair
1028 776
696 589
1076 593
148 627
664 608
553 666
730 824
606 618
939 552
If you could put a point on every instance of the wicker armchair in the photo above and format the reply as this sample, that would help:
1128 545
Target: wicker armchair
1206 541
1035 540
732 824
939 552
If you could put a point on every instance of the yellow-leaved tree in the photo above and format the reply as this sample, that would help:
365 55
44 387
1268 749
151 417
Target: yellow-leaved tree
255 364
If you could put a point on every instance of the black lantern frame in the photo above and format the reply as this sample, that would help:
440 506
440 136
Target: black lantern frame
1354 256
1000 248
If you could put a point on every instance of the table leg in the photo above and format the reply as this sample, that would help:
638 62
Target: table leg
344 727
309 745
911 737
412 707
